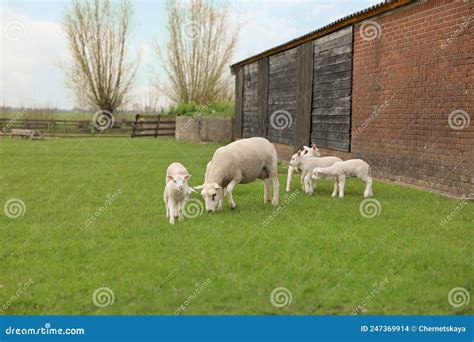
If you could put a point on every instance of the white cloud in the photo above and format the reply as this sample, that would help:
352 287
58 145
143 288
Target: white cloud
30 53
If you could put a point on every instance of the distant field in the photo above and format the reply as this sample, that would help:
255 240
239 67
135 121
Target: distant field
328 256
58 115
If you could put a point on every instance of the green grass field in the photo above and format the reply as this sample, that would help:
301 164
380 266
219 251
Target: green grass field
329 257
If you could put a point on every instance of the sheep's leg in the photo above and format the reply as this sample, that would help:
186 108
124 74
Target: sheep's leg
165 199
303 181
288 179
309 184
230 187
171 210
368 186
334 193
342 181
221 202
276 188
266 190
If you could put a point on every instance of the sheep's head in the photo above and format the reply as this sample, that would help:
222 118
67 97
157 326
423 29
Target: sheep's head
212 194
317 174
179 183
312 151
296 159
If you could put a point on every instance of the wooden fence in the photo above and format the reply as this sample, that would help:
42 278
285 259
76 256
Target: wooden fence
85 128
153 126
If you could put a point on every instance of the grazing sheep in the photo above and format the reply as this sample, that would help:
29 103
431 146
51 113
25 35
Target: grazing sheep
241 161
307 165
177 191
312 151
349 168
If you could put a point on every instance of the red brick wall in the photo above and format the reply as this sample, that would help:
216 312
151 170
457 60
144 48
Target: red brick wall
406 82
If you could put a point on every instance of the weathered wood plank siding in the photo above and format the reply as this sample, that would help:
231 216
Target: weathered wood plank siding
304 89
262 97
282 97
239 92
250 101
332 87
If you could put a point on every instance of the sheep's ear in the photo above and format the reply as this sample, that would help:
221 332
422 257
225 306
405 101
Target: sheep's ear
187 177
306 147
170 178
199 187
314 147
299 153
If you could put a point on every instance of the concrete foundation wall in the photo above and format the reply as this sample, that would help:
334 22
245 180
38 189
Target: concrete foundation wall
198 129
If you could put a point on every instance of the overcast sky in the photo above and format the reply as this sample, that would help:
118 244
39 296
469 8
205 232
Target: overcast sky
33 44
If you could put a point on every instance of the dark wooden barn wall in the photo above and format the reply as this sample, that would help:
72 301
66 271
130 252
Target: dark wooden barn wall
239 92
282 97
250 101
331 109
304 89
263 97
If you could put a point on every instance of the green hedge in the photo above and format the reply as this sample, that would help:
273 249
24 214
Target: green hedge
221 108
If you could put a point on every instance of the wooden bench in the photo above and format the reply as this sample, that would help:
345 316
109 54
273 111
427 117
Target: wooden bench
27 133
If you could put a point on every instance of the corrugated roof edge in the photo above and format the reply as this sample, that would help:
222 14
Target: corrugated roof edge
334 26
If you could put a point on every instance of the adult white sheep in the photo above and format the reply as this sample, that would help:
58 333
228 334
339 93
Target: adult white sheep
241 161
349 168
307 165
312 151
176 191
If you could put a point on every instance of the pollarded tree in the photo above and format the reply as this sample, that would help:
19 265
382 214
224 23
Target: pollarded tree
101 73
200 47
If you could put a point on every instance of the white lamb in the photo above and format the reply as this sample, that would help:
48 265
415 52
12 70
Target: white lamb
241 161
307 165
312 151
177 191
349 168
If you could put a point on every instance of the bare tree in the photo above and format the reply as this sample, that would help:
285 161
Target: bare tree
100 74
202 41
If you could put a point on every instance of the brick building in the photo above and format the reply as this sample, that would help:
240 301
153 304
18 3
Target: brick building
392 84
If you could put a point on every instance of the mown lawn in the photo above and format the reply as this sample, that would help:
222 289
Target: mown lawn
329 257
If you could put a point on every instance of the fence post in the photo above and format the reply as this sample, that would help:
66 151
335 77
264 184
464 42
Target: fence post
157 126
